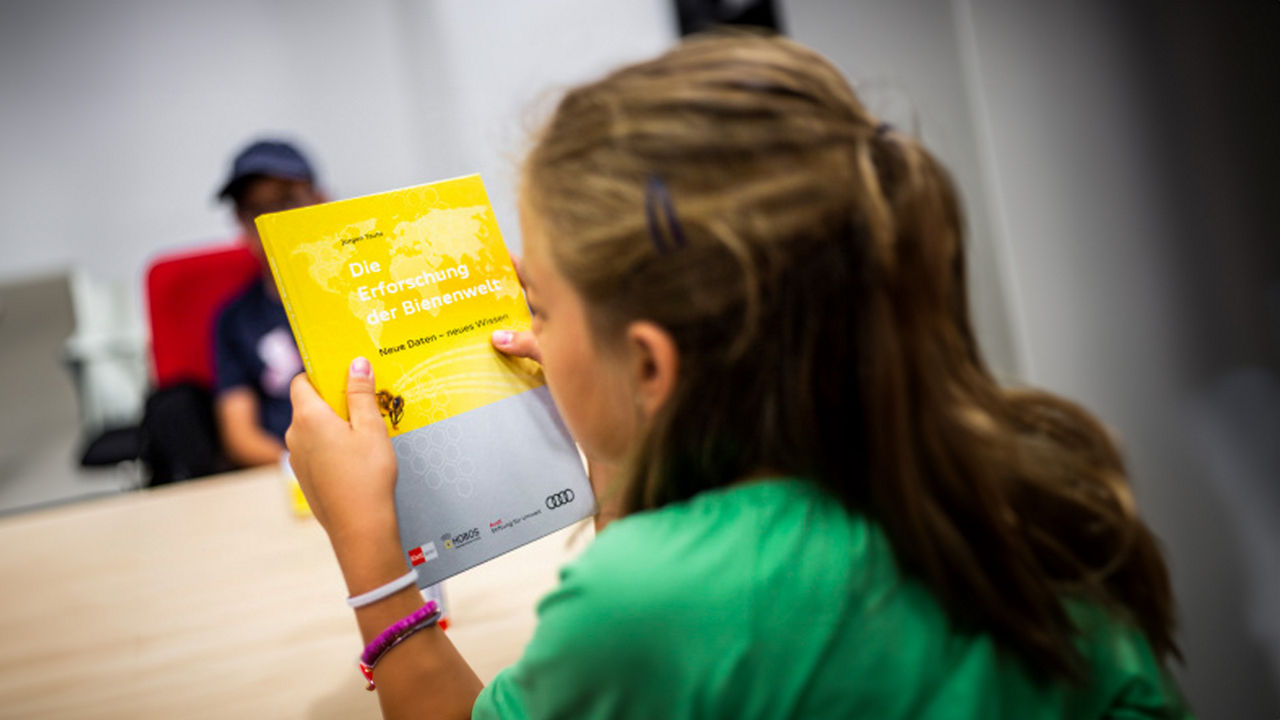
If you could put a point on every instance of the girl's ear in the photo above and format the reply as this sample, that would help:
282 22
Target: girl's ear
654 364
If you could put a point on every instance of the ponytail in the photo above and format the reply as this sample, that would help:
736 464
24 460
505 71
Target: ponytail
1003 502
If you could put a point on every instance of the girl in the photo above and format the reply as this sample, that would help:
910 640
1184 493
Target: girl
749 298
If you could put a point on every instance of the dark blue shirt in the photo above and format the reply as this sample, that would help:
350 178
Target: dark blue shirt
255 349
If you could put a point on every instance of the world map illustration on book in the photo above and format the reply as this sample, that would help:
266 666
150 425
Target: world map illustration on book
416 280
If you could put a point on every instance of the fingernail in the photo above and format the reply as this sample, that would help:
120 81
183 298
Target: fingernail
360 368
502 337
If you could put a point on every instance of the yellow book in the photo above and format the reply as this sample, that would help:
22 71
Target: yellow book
416 280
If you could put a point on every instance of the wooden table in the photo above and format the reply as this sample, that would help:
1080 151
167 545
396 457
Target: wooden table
211 599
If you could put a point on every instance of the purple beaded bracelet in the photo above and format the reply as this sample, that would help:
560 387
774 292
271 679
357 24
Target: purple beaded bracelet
398 632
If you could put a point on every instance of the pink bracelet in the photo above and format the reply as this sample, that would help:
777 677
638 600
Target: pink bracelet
398 632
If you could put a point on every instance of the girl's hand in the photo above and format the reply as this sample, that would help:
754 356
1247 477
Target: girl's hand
348 472
517 344
347 469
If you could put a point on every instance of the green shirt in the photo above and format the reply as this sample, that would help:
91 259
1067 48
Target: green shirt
769 600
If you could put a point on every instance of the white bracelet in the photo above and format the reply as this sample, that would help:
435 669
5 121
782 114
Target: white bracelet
387 590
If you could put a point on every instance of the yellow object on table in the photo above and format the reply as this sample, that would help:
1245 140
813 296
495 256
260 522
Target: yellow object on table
297 500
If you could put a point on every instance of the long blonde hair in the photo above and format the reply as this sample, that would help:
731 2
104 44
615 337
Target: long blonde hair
809 264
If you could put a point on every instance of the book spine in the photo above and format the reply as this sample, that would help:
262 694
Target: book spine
282 288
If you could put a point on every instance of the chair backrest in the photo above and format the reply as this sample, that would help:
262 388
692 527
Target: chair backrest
185 291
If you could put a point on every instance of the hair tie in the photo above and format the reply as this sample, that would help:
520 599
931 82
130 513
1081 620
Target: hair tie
883 129
655 195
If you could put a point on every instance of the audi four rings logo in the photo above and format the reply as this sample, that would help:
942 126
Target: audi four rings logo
564 497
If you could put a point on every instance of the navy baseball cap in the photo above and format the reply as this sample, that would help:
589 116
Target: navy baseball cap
270 158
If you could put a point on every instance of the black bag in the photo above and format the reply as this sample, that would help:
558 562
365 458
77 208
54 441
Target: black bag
179 435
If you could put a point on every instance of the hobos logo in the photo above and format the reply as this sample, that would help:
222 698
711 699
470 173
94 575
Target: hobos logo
462 539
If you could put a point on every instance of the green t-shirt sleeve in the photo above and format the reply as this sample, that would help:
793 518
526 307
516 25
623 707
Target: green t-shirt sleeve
768 601
571 666
1130 682
601 647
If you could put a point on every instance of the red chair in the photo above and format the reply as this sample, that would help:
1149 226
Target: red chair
185 291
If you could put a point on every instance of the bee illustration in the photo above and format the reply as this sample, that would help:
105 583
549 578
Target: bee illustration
392 406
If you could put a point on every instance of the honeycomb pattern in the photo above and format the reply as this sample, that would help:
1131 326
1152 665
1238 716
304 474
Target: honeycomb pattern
434 454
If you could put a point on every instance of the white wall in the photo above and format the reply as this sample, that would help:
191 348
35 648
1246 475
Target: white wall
118 120
1086 274
904 59
1110 296
486 73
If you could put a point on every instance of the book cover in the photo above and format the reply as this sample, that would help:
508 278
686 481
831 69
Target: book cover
416 280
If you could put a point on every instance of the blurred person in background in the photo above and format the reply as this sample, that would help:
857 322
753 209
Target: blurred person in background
256 356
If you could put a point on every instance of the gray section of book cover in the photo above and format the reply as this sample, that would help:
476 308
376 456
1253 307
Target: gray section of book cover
485 482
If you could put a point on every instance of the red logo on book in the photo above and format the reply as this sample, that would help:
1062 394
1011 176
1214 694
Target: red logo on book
495 523
423 553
